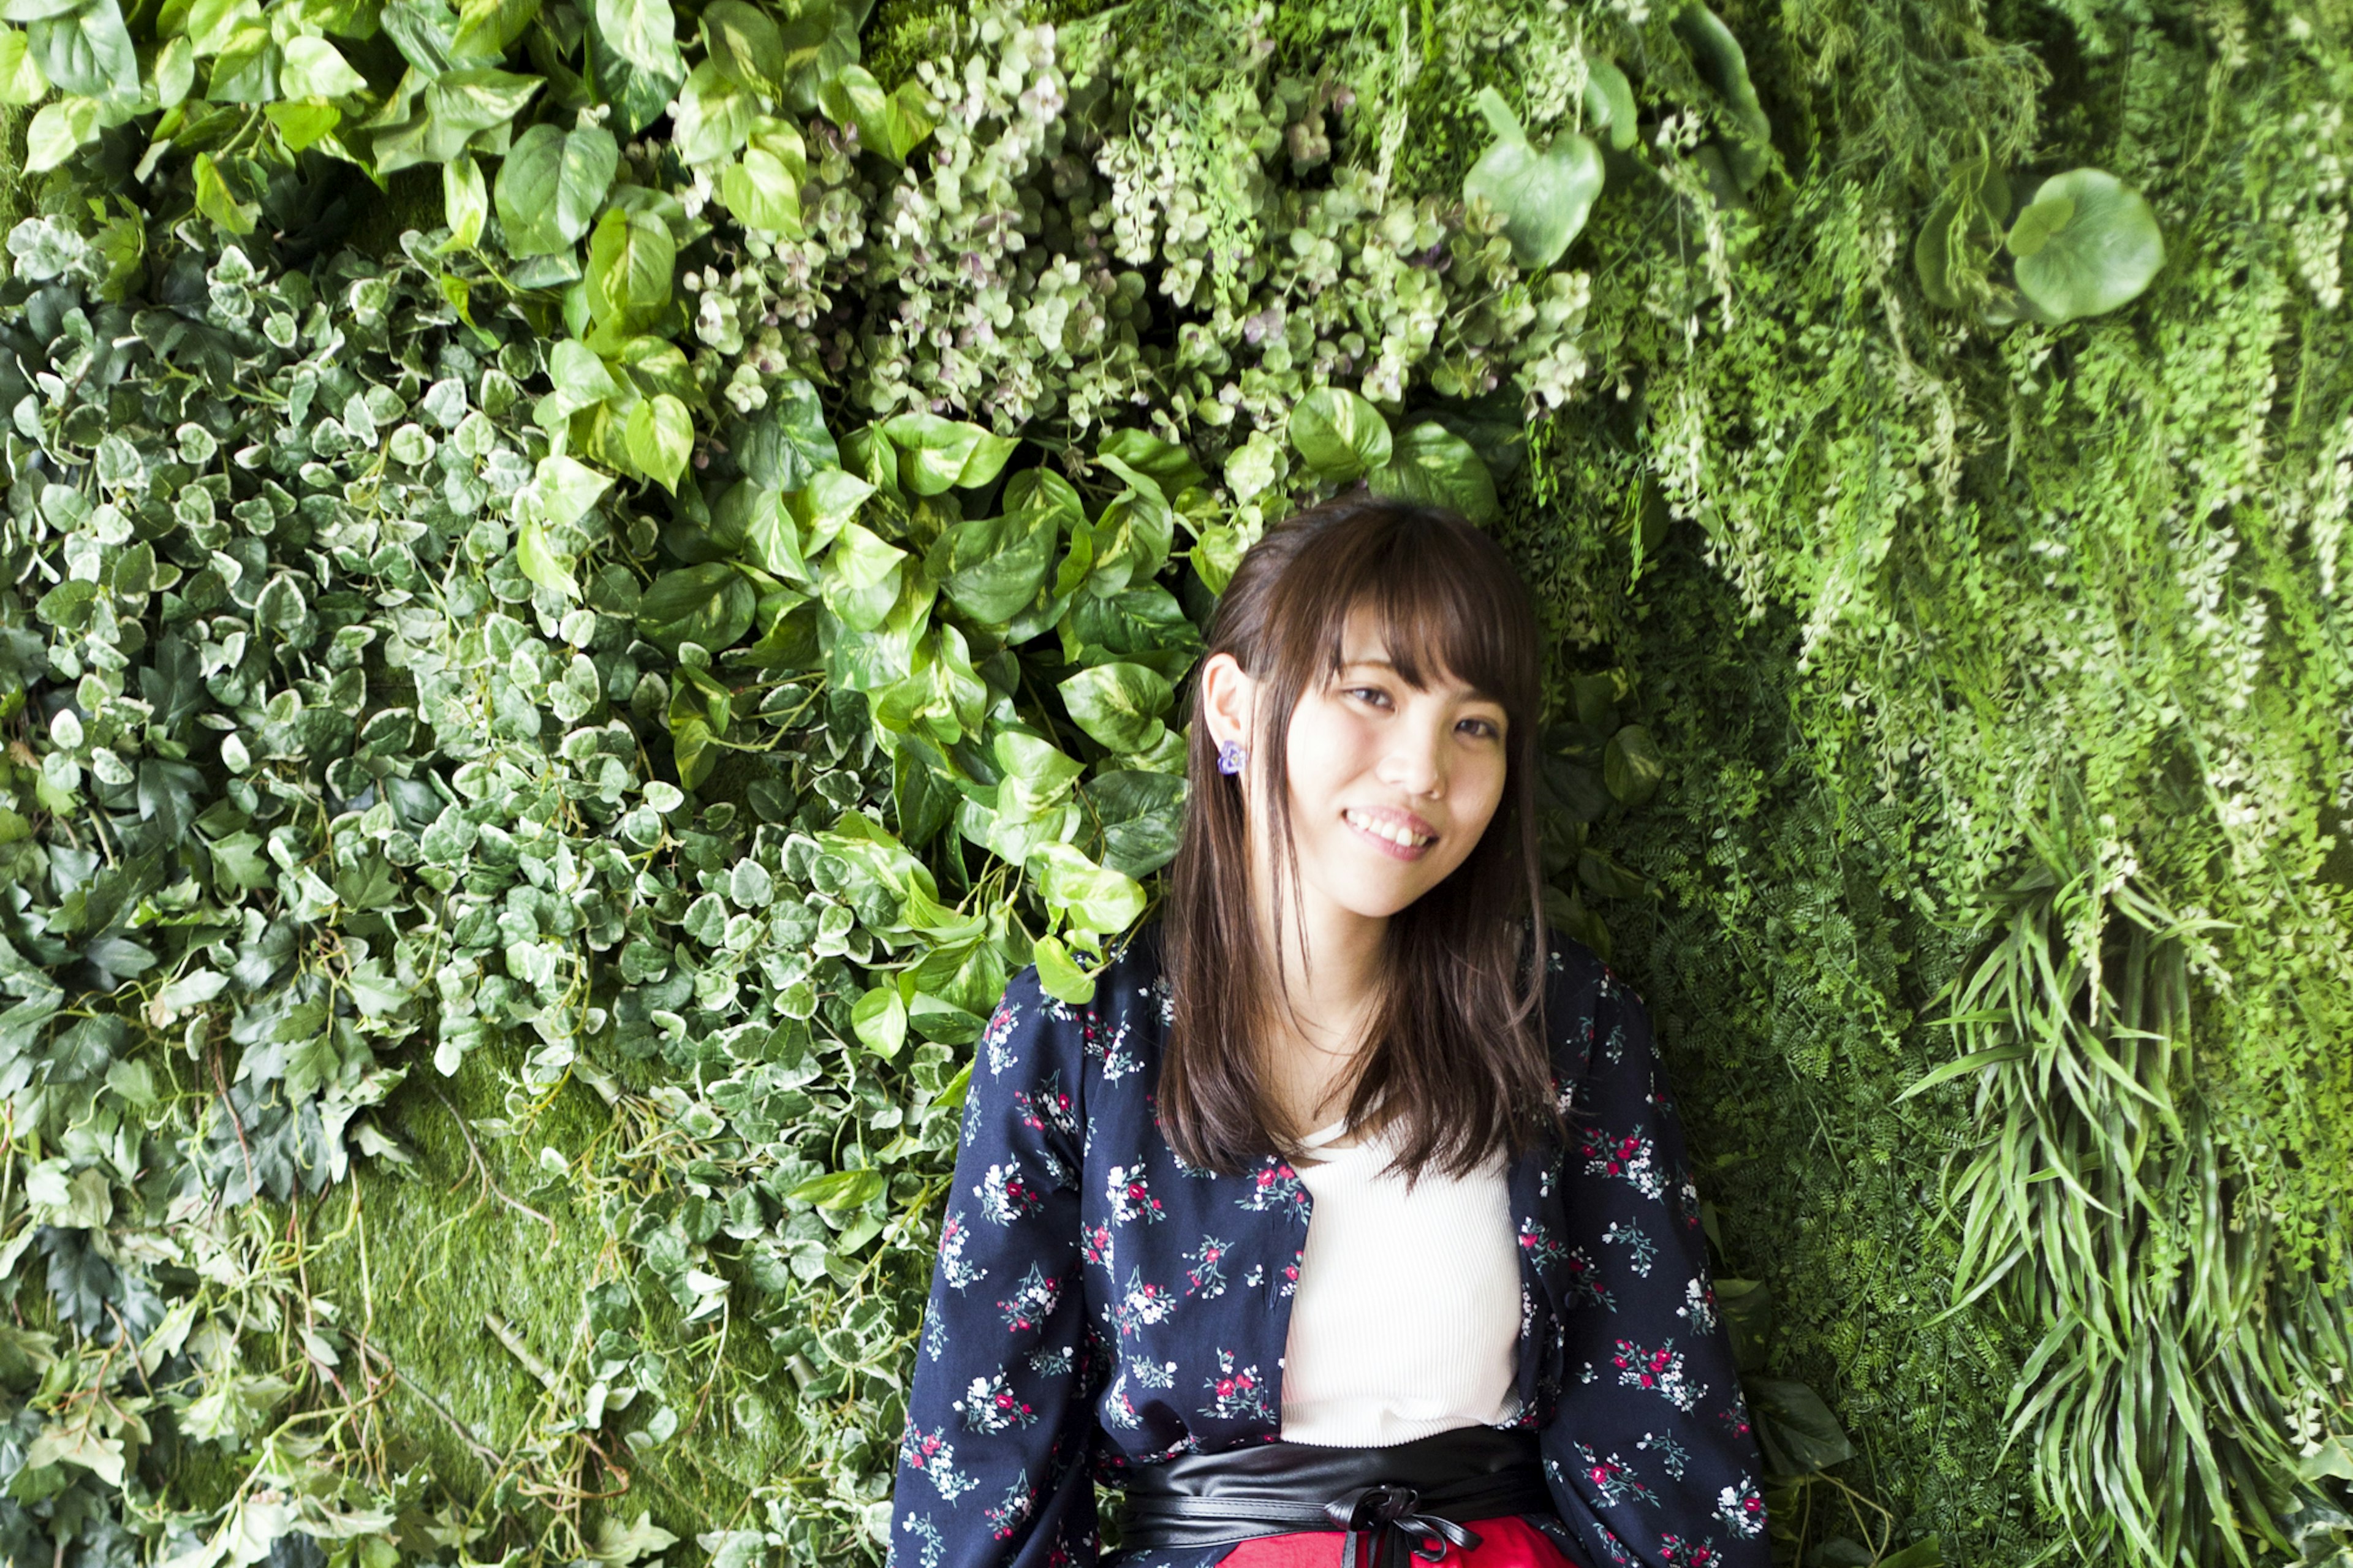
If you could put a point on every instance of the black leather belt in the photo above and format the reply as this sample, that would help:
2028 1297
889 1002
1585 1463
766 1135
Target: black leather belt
1406 1499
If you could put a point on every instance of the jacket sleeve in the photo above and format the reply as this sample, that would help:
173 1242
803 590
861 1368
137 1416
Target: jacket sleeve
993 1457
1651 1427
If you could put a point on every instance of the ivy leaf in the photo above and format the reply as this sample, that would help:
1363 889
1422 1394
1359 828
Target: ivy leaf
838 1190
2087 244
632 258
643 32
22 83
715 115
313 68
1544 197
58 130
744 43
1339 434
217 202
87 52
1119 704
762 192
661 439
1058 976
1631 766
996 565
1092 898
1140 816
862 577
711 604
1434 464
880 1020
550 186
936 455
830 498
785 446
465 203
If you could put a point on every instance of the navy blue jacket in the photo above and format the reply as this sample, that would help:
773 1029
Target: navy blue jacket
1098 1305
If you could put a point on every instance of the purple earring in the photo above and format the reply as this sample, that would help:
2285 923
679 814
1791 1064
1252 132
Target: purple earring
1230 756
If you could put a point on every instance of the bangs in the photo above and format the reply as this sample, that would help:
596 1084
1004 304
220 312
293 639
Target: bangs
1440 610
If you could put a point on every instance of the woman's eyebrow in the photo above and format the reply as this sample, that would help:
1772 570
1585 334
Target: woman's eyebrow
1476 693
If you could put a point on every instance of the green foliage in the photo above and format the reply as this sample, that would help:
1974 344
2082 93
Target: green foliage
586 707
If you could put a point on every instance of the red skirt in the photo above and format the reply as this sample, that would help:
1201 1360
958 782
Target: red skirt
1509 1541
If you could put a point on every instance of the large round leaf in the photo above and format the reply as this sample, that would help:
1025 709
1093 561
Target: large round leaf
1339 433
2086 243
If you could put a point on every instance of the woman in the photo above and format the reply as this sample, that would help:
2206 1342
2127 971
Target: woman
1496 1345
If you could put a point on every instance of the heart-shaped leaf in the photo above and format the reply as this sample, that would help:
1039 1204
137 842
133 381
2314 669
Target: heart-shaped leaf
1339 434
1544 197
1433 464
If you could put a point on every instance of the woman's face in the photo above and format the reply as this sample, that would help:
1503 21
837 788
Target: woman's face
1373 762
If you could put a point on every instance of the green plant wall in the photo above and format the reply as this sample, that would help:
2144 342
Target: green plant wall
585 581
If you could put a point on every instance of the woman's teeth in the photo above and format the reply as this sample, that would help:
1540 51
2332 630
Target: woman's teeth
1397 835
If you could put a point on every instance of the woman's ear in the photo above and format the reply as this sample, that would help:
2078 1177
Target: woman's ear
1228 699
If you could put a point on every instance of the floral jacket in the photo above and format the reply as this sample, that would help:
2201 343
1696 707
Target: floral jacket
1098 1305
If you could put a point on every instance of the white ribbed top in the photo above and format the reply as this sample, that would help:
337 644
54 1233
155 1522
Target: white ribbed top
1407 1318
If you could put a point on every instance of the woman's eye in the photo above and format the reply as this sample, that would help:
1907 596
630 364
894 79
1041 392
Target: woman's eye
1487 727
1370 693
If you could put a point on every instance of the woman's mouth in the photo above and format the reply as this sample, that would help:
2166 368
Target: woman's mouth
1391 837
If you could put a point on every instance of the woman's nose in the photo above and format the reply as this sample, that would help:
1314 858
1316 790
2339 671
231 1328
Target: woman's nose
1415 762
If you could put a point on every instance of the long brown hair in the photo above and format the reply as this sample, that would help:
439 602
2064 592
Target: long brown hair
1456 1056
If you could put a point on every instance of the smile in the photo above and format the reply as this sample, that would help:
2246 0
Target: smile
1395 840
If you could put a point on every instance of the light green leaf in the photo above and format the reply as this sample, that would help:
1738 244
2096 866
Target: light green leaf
465 203
643 32
21 81
561 491
217 202
2090 243
632 258
551 184
715 115
880 1020
661 439
1339 434
57 130
1058 976
1089 897
830 498
541 561
1119 704
313 68
761 193
1543 197
744 44
579 374
862 577
1609 102
936 455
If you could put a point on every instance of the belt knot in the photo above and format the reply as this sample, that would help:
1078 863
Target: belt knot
1378 1511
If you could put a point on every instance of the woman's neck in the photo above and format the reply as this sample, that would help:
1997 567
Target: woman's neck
1332 959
